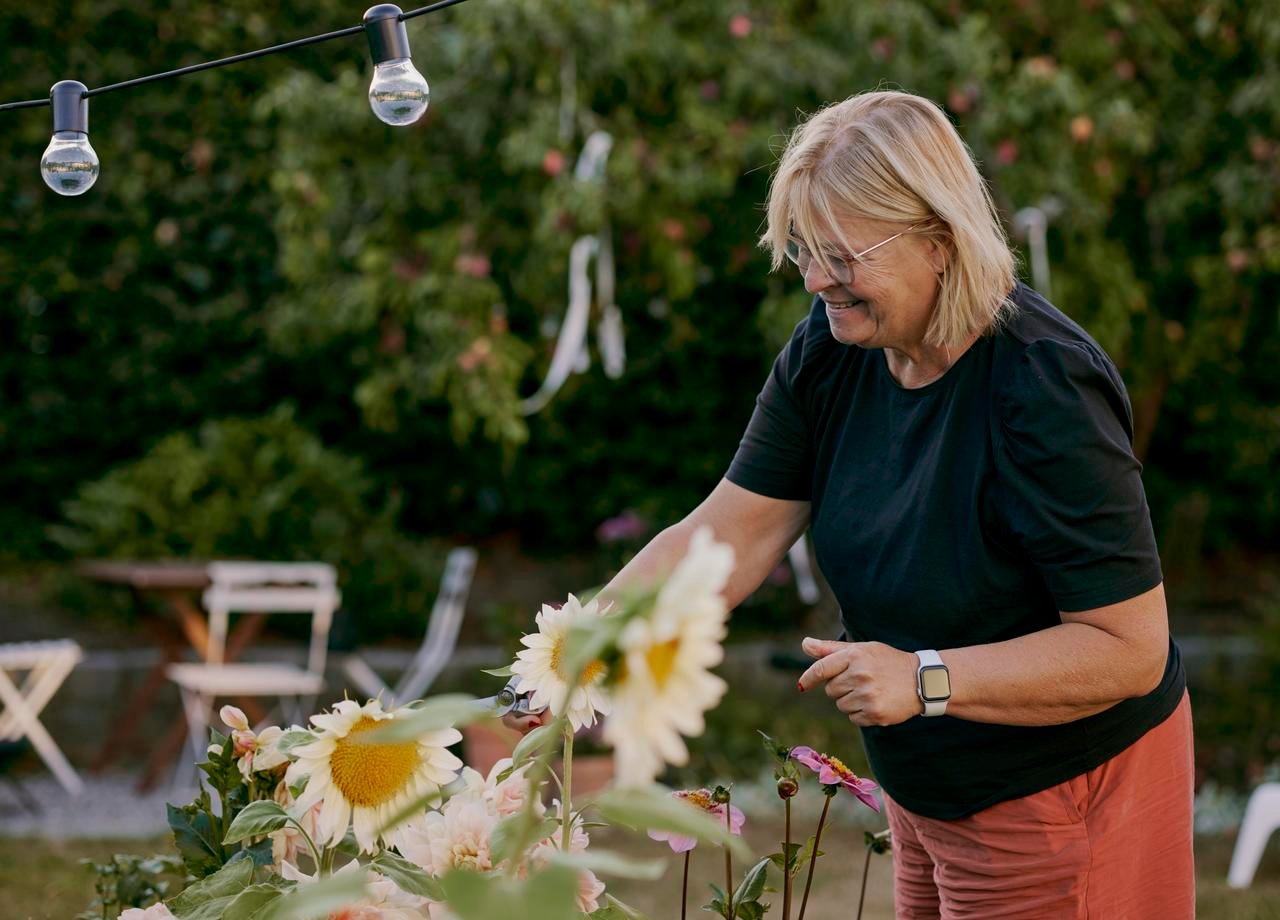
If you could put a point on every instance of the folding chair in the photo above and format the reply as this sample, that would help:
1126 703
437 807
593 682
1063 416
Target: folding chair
257 587
47 665
1261 819
438 644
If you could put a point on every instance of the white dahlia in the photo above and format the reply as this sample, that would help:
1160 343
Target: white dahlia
541 665
457 837
665 684
362 782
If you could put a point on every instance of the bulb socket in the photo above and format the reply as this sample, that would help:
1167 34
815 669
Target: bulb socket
388 38
70 107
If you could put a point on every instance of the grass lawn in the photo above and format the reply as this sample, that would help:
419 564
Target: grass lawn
41 880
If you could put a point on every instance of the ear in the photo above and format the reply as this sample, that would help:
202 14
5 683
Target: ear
938 254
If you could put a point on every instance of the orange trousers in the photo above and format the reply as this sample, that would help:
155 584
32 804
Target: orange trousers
1110 844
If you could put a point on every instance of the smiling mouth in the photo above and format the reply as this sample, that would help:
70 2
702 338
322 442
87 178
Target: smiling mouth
843 304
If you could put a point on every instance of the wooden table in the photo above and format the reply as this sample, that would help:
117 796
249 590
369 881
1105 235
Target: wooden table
183 627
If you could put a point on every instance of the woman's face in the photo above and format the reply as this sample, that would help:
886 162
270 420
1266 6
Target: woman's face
889 298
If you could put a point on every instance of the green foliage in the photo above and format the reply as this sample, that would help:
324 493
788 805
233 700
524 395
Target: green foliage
256 236
258 488
131 881
1237 709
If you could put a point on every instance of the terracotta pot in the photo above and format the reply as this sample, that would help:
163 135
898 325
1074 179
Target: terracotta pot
485 743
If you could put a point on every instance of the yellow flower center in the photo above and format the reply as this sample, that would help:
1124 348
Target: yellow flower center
839 767
661 659
699 797
369 773
593 669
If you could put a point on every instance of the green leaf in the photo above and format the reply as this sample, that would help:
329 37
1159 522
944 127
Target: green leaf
316 900
256 820
259 854
193 836
512 835
610 863
504 671
654 808
751 910
439 712
294 738
407 876
614 909
547 895
250 903
531 745
221 888
752 885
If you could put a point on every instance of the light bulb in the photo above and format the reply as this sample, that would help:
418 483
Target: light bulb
69 165
398 94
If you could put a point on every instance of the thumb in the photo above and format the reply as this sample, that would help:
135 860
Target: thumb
819 648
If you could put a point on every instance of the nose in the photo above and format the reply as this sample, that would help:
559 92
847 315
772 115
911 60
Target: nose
816 278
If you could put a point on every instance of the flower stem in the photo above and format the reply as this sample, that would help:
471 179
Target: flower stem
684 886
566 814
813 857
311 844
729 912
786 862
326 862
862 894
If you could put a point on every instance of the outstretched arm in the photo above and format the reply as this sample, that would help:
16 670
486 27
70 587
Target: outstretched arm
1088 663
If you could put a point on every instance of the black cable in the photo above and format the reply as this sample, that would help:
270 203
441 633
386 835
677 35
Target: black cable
428 9
315 39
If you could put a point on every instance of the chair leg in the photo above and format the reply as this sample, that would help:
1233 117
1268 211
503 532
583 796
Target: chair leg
1261 818
30 726
196 708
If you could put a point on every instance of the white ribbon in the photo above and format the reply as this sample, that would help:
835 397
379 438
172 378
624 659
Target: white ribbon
571 355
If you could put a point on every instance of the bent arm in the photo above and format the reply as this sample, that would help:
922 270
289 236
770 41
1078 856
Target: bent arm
1091 661
760 530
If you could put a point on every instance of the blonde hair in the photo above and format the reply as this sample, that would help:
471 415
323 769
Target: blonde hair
894 157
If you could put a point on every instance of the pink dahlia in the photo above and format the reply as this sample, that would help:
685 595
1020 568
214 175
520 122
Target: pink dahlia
702 799
831 772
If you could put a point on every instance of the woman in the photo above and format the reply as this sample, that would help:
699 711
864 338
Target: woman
962 453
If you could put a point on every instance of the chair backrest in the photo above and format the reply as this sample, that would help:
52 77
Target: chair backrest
442 629
272 587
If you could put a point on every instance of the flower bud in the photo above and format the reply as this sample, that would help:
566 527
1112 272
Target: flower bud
787 787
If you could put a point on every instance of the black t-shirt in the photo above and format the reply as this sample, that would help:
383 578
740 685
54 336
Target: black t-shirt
967 511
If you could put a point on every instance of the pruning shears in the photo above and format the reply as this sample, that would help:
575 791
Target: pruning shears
507 700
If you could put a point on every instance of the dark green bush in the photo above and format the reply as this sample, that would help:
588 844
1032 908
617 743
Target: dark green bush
262 488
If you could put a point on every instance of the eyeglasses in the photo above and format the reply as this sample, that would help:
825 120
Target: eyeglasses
841 272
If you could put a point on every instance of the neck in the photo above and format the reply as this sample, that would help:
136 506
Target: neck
918 364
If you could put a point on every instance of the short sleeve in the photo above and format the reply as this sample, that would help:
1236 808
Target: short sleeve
775 457
1070 485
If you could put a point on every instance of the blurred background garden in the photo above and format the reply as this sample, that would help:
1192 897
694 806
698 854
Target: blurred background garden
279 329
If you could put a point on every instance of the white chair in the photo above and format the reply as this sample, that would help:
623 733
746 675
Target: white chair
46 665
257 587
1261 818
438 644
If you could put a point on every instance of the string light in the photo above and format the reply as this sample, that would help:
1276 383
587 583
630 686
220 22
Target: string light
69 165
398 93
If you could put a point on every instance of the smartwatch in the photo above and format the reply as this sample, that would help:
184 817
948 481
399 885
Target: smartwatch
933 682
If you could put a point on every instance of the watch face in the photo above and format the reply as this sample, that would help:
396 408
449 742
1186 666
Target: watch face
935 683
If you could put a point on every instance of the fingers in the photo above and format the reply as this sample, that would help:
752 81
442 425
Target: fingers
522 722
820 672
817 648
